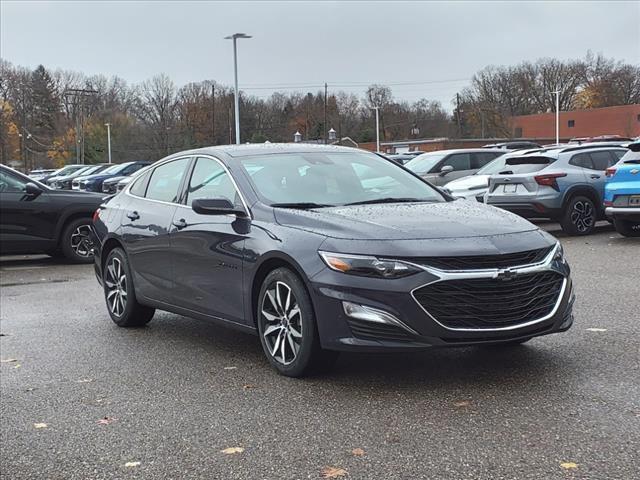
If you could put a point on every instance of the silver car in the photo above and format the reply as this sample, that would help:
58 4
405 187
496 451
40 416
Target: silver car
565 185
442 166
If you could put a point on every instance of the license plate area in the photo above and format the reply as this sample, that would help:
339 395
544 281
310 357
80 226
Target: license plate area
634 201
510 188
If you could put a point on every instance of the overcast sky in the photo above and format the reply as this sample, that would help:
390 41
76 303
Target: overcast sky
436 47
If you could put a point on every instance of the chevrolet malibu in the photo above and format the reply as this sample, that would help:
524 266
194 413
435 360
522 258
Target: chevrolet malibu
321 249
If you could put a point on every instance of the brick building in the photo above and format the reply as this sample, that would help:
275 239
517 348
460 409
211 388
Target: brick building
623 120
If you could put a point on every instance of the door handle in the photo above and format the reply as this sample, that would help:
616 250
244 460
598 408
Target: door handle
180 224
595 176
133 215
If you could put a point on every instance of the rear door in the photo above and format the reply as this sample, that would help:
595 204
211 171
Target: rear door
595 174
207 250
146 223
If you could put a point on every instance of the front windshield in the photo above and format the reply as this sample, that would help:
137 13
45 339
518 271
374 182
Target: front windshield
116 168
424 163
332 179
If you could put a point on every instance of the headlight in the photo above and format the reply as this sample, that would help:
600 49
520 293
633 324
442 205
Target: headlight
365 266
559 255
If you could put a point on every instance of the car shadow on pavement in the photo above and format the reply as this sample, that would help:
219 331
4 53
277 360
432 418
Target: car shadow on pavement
29 261
510 367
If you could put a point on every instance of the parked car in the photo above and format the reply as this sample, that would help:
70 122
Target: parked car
622 193
401 158
442 166
64 182
61 172
515 145
474 187
98 168
93 183
39 174
116 184
289 242
37 219
565 185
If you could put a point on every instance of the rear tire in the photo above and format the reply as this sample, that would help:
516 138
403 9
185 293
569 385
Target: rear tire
579 216
119 293
75 242
287 326
627 228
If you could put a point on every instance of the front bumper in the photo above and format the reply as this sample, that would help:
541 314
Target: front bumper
338 331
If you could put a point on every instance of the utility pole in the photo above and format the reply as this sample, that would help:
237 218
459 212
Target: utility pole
557 94
78 96
235 37
213 113
325 113
458 115
108 125
377 109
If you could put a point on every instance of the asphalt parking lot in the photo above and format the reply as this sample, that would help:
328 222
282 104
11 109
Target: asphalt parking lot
83 399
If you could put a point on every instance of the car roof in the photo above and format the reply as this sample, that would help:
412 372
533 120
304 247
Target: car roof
463 150
268 148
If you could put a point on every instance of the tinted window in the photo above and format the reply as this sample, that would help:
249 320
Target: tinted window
209 180
459 161
10 183
619 153
581 160
601 160
165 181
482 158
424 163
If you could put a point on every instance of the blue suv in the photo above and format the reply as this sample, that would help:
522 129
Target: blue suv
93 183
622 193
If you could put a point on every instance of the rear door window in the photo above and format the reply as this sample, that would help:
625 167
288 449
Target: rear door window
480 159
602 160
164 184
582 160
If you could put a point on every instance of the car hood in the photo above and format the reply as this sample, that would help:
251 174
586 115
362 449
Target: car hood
115 179
466 183
456 219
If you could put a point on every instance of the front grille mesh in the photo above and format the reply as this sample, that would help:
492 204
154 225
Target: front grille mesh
378 331
491 303
476 262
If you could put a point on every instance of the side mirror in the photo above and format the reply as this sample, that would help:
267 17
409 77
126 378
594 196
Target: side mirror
216 206
32 190
446 169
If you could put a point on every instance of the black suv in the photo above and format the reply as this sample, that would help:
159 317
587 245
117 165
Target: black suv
37 219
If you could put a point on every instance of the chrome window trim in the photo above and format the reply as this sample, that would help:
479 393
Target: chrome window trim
195 157
444 275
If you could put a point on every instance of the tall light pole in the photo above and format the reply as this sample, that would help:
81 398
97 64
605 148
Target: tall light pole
377 109
557 94
235 37
108 125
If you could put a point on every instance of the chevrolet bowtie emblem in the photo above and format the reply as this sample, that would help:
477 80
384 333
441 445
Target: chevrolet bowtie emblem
506 274
634 171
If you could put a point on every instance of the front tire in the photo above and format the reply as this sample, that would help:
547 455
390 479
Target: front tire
627 228
119 293
579 216
287 326
75 242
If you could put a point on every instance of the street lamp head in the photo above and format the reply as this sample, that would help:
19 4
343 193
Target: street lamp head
332 134
237 35
297 137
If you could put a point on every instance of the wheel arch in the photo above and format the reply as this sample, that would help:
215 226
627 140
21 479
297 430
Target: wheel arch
109 244
584 190
66 219
271 262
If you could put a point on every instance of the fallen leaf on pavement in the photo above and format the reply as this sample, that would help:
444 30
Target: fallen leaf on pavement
84 380
232 450
248 386
230 368
106 420
9 360
40 425
333 472
462 403
17 365
569 465
357 452
596 329
132 464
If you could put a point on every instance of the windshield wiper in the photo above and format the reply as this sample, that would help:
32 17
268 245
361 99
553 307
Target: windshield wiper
387 200
301 205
